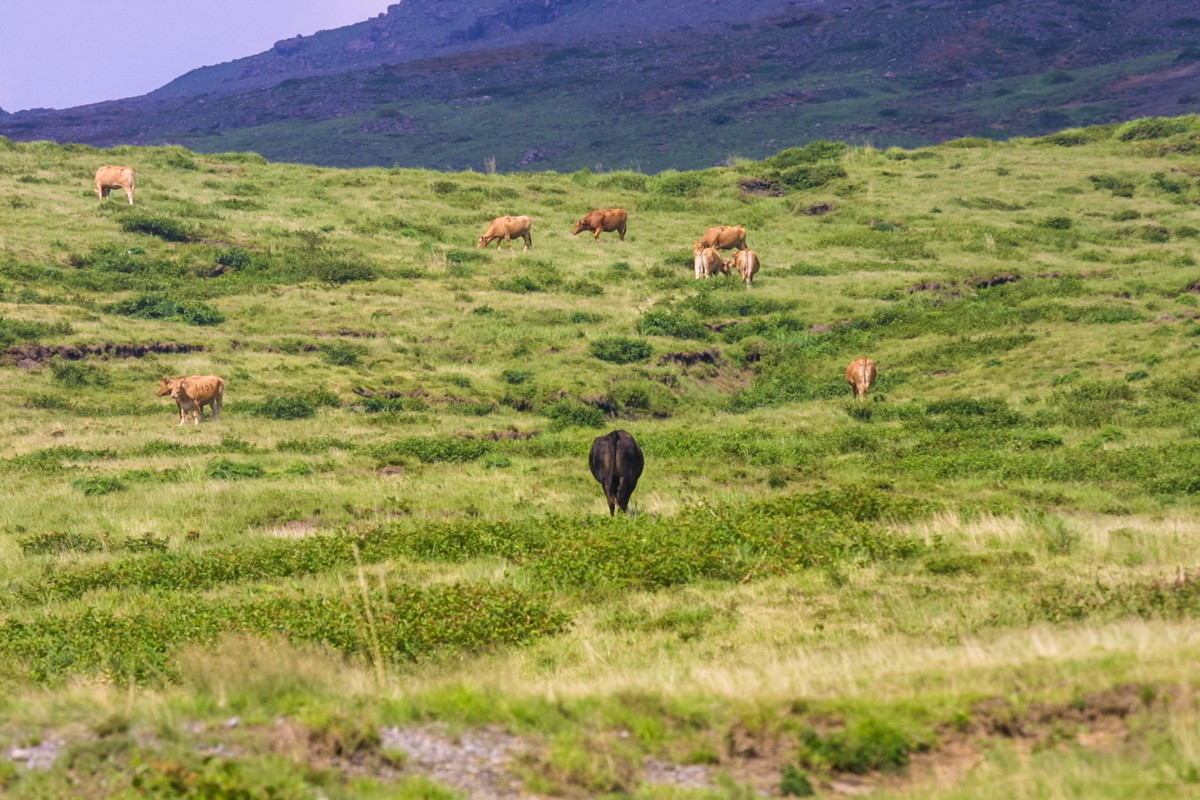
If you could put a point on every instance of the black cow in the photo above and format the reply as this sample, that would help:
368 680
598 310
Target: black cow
617 462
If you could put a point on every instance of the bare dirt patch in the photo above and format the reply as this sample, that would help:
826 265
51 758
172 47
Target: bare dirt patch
690 359
31 356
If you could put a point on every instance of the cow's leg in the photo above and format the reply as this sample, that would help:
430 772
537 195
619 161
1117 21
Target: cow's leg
624 490
182 415
528 237
610 492
129 194
621 231
216 406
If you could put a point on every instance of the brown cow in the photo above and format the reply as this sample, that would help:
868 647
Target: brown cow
746 263
109 178
505 229
723 237
708 262
860 374
603 220
194 392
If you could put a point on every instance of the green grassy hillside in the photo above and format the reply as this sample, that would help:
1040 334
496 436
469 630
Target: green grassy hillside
979 583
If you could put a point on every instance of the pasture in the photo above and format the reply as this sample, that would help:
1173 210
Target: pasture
978 583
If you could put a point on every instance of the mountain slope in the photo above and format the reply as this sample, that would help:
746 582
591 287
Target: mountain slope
564 84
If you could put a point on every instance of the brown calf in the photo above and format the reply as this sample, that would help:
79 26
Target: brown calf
708 262
505 229
746 263
194 392
109 178
860 374
723 237
603 220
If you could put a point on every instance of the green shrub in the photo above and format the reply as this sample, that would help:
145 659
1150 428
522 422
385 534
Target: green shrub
866 744
75 375
620 350
810 177
234 470
1151 128
819 150
54 542
1056 223
516 376
430 449
162 227
140 645
13 331
342 354
157 305
286 407
569 413
1119 185
678 184
794 782
312 447
678 323
235 258
99 484
337 270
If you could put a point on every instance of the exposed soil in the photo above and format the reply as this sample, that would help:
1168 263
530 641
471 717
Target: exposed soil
31 356
710 356
479 762
988 281
512 434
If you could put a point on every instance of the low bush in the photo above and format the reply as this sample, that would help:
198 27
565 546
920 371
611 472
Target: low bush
163 227
76 375
157 305
54 542
98 484
285 407
408 622
342 354
620 349
430 449
865 744
1168 598
13 331
677 323
571 413
234 470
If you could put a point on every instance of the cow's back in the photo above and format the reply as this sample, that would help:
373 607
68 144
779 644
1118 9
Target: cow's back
860 374
203 388
616 455
115 176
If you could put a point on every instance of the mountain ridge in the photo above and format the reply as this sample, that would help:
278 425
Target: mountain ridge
563 84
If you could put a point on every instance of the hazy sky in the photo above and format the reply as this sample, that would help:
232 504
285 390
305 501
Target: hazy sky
62 53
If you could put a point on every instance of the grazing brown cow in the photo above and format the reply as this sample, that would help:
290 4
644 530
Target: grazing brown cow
723 237
603 220
746 263
194 392
505 229
860 374
616 461
708 262
109 178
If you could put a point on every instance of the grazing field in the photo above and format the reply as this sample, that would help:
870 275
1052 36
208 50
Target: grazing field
386 570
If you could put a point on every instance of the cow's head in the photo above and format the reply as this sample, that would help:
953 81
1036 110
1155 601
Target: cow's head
483 242
167 387
579 226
